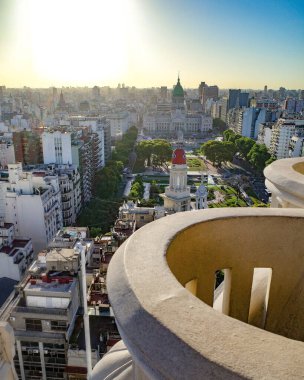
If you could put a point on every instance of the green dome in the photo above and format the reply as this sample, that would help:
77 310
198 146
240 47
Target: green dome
178 90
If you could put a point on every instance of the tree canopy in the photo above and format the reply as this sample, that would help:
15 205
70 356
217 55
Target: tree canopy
258 156
155 152
124 146
219 151
244 145
219 125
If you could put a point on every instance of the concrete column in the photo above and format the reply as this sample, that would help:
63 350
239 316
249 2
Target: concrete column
42 361
241 285
205 287
18 344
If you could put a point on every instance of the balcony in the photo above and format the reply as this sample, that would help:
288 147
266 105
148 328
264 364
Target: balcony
173 334
285 180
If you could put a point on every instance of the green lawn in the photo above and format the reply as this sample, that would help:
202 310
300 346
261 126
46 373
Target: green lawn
196 164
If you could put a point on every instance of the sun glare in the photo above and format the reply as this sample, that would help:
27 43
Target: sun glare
80 41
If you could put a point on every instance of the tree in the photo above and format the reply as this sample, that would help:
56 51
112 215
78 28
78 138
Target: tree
270 161
244 145
219 125
144 150
162 151
124 146
231 136
258 156
157 151
219 151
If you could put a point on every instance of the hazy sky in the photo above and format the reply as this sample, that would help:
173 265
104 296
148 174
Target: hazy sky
231 43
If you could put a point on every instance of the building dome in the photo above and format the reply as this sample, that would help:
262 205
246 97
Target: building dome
179 157
178 90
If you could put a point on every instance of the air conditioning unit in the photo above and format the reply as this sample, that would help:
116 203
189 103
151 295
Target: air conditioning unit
46 351
12 318
35 351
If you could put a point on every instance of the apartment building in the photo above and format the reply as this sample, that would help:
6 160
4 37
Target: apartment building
32 204
27 146
57 147
16 254
69 185
283 131
44 313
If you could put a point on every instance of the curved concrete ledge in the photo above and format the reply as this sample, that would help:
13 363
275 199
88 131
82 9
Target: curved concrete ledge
116 364
285 179
172 334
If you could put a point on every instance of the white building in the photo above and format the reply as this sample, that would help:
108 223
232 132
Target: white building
16 254
119 123
296 146
169 123
283 131
32 204
18 123
177 195
57 148
69 185
265 133
246 121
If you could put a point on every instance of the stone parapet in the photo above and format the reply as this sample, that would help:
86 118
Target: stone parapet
173 334
285 180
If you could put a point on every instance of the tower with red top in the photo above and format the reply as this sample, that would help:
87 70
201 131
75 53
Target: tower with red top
177 195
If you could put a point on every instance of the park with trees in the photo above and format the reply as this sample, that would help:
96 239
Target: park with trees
219 152
101 212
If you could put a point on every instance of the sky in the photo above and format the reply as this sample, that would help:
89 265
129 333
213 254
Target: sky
145 43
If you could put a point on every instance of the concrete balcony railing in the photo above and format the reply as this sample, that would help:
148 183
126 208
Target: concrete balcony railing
173 334
285 180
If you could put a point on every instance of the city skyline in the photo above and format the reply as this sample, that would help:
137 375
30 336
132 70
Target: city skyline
237 44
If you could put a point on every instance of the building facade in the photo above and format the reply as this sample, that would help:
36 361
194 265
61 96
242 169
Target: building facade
32 204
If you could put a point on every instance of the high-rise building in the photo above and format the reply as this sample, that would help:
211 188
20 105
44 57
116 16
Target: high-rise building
96 92
238 99
27 146
163 93
57 147
282 133
44 313
70 188
32 204
209 92
200 89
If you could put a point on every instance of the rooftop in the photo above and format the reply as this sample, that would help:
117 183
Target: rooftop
53 286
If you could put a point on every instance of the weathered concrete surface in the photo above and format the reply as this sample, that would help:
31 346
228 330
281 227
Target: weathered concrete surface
172 334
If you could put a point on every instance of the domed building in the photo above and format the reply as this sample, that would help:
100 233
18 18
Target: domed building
178 96
169 119
177 195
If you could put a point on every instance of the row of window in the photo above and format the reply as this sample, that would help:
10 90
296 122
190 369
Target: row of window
36 325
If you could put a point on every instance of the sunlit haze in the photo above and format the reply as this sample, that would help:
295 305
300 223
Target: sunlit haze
236 43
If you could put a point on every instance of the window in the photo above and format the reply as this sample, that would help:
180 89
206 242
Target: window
33 324
58 325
